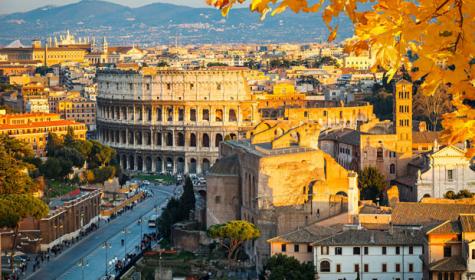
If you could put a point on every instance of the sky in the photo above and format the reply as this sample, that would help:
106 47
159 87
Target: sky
12 6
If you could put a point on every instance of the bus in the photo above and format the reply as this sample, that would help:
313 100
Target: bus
152 221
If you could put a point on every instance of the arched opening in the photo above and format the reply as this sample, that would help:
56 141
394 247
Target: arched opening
324 266
232 115
169 166
233 136
148 164
192 167
180 166
180 140
139 138
392 168
131 163
159 165
192 140
218 115
205 140
278 132
205 166
169 139
218 139
295 138
139 163
342 193
426 195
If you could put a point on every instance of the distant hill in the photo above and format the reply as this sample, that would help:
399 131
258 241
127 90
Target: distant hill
160 23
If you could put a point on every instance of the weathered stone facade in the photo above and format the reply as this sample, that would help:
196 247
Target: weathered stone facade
284 181
172 120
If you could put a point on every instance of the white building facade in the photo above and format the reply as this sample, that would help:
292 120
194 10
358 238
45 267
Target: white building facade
448 170
369 255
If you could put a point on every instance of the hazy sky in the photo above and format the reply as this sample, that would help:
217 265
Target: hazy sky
10 6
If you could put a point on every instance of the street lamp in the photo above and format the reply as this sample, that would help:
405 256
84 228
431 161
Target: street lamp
106 246
125 231
141 230
82 263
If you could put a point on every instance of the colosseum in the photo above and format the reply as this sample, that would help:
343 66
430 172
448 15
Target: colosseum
172 120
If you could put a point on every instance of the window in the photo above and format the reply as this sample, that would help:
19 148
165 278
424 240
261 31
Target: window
338 268
217 199
398 250
366 267
473 254
450 175
392 168
411 250
384 250
365 250
356 250
324 250
411 267
447 251
325 266
181 114
192 115
384 267
205 115
205 142
296 248
338 251
398 267
357 268
309 249
379 153
283 248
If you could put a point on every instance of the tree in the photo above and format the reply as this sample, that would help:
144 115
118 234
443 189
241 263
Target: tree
53 143
432 107
233 234
14 208
56 168
211 64
69 137
72 155
282 267
371 183
433 39
14 177
187 199
100 155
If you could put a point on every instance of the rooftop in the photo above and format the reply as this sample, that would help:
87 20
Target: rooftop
374 237
413 213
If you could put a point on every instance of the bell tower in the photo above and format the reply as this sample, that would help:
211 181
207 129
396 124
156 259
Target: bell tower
403 124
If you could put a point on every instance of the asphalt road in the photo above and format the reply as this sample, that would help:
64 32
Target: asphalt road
91 252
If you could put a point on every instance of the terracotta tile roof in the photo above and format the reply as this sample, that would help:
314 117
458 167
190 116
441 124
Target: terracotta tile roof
454 263
374 237
346 136
425 137
447 227
414 213
467 221
307 234
39 124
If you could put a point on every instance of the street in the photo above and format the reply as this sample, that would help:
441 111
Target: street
87 258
